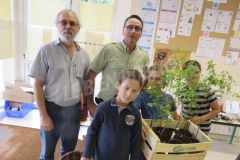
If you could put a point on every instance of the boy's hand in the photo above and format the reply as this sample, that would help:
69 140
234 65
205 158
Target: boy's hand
91 108
196 120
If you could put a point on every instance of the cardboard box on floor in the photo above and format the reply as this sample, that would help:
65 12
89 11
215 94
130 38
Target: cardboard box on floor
19 92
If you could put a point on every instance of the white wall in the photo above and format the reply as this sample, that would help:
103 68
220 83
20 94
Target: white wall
122 11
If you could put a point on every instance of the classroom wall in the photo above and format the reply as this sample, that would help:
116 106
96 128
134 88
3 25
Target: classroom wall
122 11
220 63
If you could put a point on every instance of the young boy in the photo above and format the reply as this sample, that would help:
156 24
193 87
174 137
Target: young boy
115 132
155 79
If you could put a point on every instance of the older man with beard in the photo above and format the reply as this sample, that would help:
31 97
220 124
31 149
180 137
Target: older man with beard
59 70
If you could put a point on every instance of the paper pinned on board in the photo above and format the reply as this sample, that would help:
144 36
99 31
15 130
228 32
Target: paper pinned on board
232 106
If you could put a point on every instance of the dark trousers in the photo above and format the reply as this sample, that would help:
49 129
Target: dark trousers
238 157
66 124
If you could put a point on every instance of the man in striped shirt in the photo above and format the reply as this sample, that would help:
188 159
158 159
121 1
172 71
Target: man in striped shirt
59 70
196 100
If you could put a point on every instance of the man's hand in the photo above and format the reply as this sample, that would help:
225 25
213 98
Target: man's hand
84 113
144 133
46 123
83 158
91 108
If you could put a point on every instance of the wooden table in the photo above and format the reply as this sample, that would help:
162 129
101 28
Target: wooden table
235 124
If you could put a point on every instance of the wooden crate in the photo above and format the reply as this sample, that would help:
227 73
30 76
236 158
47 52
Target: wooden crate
155 150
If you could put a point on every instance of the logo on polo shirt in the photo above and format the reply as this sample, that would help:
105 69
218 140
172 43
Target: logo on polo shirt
130 120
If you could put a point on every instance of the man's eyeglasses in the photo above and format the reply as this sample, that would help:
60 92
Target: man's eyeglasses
130 28
64 23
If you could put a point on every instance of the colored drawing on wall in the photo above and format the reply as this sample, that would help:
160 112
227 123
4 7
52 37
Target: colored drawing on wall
167 57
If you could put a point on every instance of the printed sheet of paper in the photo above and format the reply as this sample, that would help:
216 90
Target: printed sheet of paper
162 38
232 106
193 6
209 20
150 3
236 26
231 57
204 44
185 24
148 27
217 47
147 49
210 47
149 12
223 21
237 34
234 43
145 40
168 19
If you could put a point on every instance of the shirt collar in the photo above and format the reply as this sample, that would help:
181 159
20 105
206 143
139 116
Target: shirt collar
57 41
113 103
126 47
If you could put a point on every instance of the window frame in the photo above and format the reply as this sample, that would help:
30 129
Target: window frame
20 7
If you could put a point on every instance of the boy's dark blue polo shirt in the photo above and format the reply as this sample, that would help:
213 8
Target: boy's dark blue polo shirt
114 134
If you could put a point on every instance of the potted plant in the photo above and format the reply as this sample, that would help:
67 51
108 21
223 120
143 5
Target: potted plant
163 105
175 80
162 113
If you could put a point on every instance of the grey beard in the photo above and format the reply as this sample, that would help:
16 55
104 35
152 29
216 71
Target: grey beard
67 39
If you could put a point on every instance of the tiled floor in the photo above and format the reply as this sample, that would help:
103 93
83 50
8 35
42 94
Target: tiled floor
223 151
218 151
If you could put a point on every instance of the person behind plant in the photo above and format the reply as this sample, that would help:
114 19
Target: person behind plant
200 98
155 81
115 132
59 70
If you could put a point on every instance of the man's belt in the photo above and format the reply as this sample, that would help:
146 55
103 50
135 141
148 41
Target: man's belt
60 107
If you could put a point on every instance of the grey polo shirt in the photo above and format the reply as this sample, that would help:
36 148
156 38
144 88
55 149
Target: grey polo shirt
63 78
112 60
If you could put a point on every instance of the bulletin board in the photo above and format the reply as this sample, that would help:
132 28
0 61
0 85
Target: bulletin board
189 44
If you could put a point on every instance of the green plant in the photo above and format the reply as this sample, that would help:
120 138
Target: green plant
158 99
176 80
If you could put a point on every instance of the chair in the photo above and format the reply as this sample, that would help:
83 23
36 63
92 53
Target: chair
73 155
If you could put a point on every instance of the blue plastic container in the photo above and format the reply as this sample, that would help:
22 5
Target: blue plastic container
26 108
